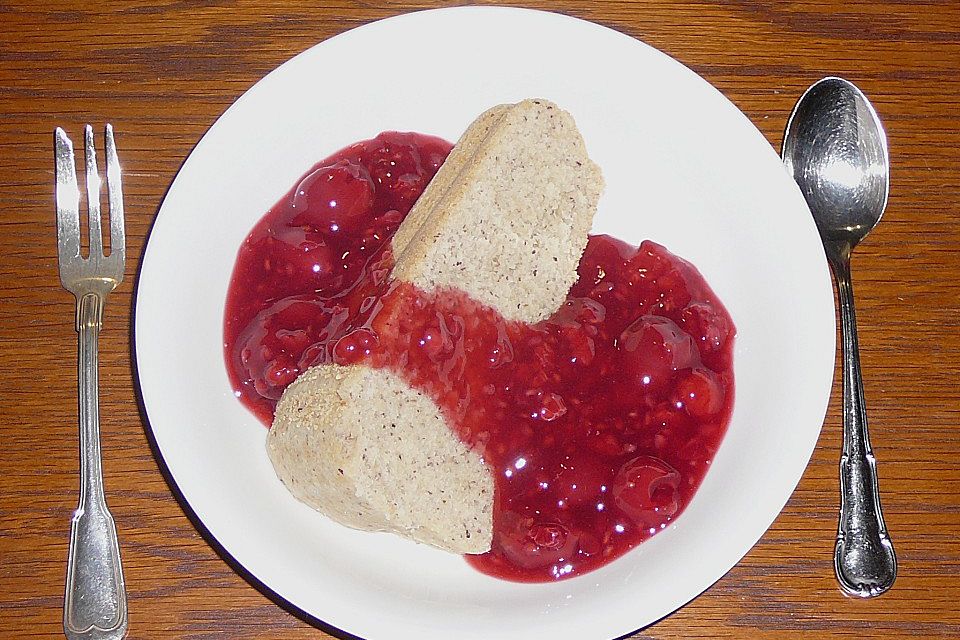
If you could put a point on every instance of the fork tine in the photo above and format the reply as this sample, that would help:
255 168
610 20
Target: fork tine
68 199
93 194
115 191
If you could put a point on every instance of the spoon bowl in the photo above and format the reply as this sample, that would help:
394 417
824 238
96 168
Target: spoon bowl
836 150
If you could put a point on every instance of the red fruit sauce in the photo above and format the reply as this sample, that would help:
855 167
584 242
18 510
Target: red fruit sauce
598 424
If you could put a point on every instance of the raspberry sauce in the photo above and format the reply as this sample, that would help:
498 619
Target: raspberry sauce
598 424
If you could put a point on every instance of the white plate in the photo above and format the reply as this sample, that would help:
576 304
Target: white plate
683 167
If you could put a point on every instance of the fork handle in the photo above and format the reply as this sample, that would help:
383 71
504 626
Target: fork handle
95 603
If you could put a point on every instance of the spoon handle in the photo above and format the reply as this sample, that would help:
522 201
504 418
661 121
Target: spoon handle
864 560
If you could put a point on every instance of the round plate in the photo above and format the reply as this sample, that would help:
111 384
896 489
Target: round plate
683 167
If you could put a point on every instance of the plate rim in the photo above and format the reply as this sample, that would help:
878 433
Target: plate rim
210 537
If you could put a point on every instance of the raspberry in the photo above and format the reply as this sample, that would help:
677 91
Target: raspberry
652 348
532 544
699 393
333 199
709 327
646 489
397 173
280 373
355 346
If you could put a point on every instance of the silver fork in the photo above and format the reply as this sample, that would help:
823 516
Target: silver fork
95 602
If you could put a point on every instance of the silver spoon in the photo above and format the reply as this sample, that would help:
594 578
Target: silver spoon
836 150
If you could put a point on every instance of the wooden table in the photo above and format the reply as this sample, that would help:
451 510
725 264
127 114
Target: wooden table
163 71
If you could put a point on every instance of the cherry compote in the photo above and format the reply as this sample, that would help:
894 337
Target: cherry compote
598 424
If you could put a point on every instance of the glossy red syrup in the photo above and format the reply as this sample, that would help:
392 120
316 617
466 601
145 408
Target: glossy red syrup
598 423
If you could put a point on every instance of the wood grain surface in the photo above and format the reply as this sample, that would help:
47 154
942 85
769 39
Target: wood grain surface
163 71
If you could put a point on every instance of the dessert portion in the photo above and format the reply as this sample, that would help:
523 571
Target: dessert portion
510 227
468 384
366 449
504 224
